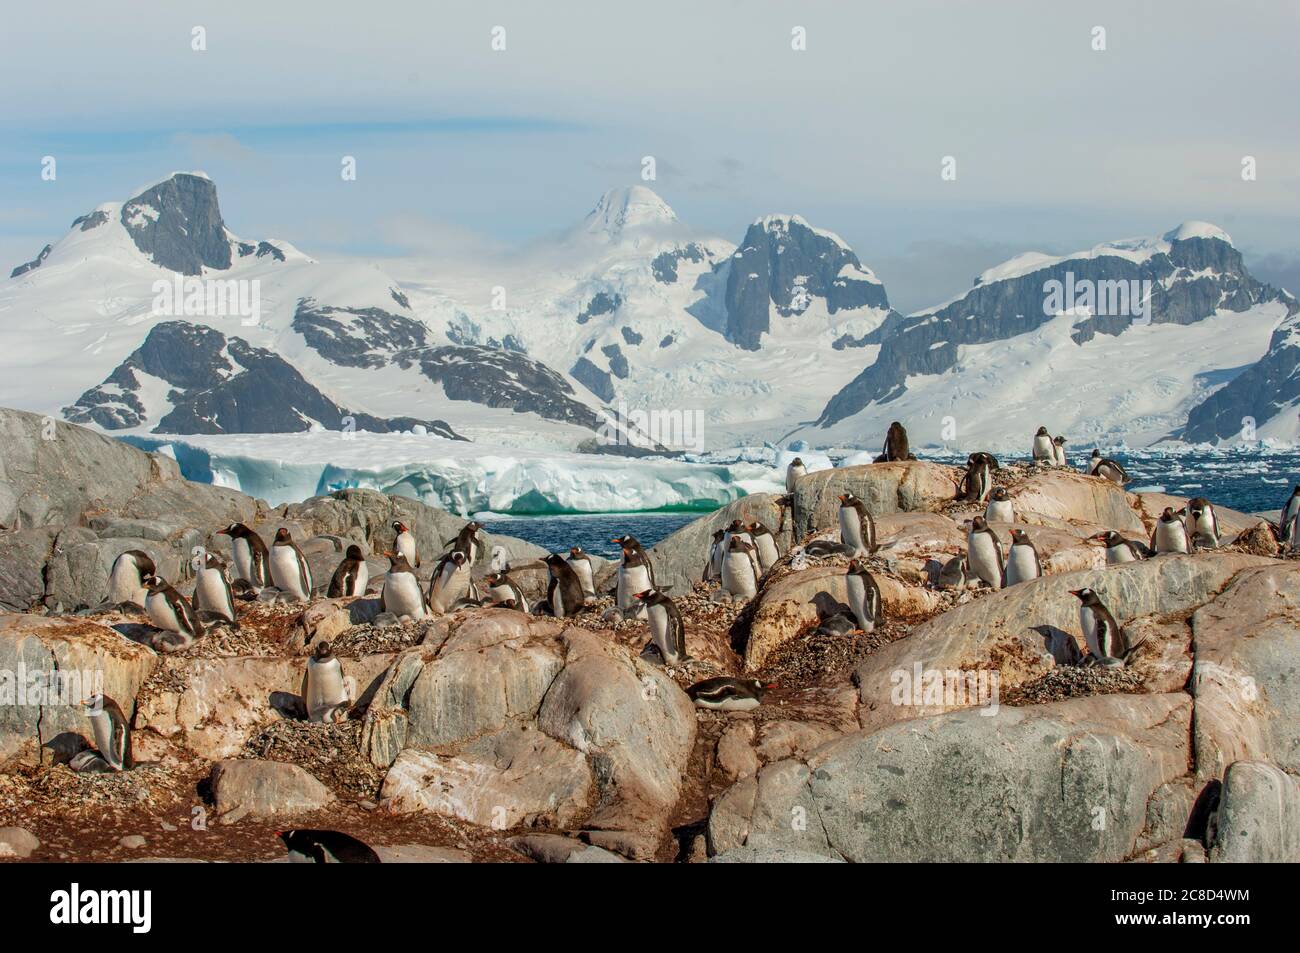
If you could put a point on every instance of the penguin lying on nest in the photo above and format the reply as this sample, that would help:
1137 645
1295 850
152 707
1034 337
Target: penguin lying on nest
326 847
728 694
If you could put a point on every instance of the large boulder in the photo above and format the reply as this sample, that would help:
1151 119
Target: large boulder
1259 816
679 559
1008 632
1077 498
1068 781
885 488
251 788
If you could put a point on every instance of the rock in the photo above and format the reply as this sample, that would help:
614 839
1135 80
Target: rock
1068 781
792 739
772 855
88 657
1164 660
23 555
1245 676
557 849
266 789
885 488
1259 816
17 842
1077 498
421 854
679 559
132 842
736 755
1006 633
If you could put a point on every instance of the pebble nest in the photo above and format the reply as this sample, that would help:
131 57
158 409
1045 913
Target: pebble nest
1073 681
146 786
368 638
330 752
820 657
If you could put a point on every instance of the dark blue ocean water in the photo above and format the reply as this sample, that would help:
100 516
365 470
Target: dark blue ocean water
593 532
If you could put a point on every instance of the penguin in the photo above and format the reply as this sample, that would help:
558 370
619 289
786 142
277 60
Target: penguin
999 509
467 541
212 589
1121 550
1292 540
504 591
736 528
1170 535
794 473
126 580
1058 452
764 545
252 558
740 569
405 543
977 484
984 553
401 594
326 847
1289 511
325 691
954 574
111 730
450 582
1044 452
896 447
171 612
857 528
1106 468
1022 560
713 568
289 570
666 626
864 596
635 574
728 694
1201 522
580 562
352 576
564 591
1106 640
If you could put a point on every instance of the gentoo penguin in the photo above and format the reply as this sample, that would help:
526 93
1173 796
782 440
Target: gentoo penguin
1121 550
728 694
580 562
1022 560
289 570
999 509
1044 449
1106 468
1289 512
713 568
954 574
212 589
171 612
402 594
764 545
896 447
666 626
793 473
450 582
126 581
857 528
984 553
1170 535
252 559
112 731
1058 452
405 543
564 591
740 570
352 576
326 847
635 574
864 596
325 691
977 484
504 591
1106 640
467 541
1201 523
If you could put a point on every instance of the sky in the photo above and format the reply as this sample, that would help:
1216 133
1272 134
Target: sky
463 150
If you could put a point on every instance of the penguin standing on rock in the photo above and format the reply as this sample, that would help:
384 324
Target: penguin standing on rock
1201 523
635 574
1106 640
580 562
977 483
740 570
564 591
1121 550
450 581
1170 535
896 446
252 558
857 528
401 594
953 574
864 596
112 733
352 576
1289 512
326 847
212 592
171 612
1022 560
467 541
405 543
764 545
289 570
1106 468
325 692
126 581
713 568
666 627
794 473
504 591
999 509
984 553
1044 452
1058 452
728 694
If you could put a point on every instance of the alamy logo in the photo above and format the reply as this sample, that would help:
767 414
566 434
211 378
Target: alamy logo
209 298
38 688
952 688
73 906
1131 298
675 429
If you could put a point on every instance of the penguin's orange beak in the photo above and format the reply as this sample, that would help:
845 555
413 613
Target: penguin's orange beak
771 685
843 497
640 595
1075 592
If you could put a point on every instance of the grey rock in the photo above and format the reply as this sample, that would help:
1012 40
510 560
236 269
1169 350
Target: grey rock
177 223
1259 816
772 855
266 789
17 842
33 264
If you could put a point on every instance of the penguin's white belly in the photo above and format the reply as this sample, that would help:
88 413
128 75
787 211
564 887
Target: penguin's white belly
851 529
1204 527
406 546
1171 538
243 558
631 580
124 584
1295 534
999 511
730 704
161 613
1021 565
858 603
361 581
792 477
101 726
285 573
738 575
658 617
767 552
210 594
452 585
1044 449
1120 554
402 595
982 557
583 569
1088 625
1058 454
326 689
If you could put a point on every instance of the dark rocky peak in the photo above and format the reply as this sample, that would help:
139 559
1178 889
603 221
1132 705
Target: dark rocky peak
31 265
177 223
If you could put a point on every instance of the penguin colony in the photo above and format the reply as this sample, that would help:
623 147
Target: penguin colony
740 555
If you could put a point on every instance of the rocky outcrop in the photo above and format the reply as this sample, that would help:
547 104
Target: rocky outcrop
885 487
679 559
1259 816
249 788
1078 498
177 224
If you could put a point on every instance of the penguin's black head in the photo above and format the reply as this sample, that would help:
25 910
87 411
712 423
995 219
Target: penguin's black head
737 526
354 552
978 524
1019 536
854 566
322 651
718 534
92 705
798 462
575 551
213 561
282 535
554 559
1096 453
473 526
895 426
1084 595
1059 441
1000 493
847 499
234 530
1042 432
458 557
397 562
736 545
1168 515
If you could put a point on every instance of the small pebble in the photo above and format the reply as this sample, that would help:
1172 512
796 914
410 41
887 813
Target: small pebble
132 841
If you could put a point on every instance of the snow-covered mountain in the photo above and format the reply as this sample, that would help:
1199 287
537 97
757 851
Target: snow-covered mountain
1117 343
